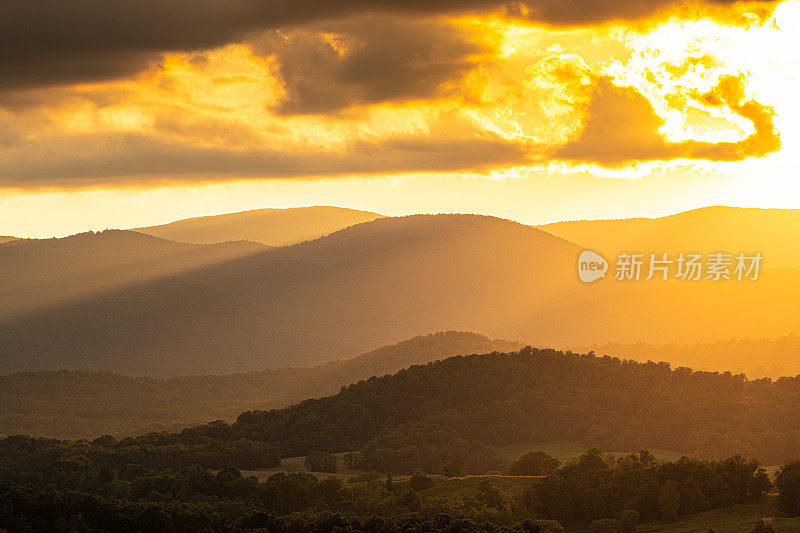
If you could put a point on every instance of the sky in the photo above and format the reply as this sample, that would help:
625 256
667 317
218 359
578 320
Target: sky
126 114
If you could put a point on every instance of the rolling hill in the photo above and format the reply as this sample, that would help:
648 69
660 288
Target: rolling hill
375 283
40 273
81 404
447 417
425 415
275 227
303 305
707 230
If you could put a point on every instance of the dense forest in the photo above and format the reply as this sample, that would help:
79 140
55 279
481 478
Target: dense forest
437 421
83 404
461 407
428 415
104 485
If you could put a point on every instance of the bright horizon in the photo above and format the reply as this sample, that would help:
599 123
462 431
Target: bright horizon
82 223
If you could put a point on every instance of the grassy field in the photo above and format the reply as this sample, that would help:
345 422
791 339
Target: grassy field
290 465
736 519
455 487
442 487
565 450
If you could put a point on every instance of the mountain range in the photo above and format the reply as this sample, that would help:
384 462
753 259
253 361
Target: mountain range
274 227
380 281
41 273
303 305
771 232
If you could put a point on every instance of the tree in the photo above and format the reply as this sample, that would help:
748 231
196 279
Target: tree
763 526
692 498
227 475
321 462
492 496
420 481
454 468
788 483
604 525
410 500
669 501
628 519
535 464
759 485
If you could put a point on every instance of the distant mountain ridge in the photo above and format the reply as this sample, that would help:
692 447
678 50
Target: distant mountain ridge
80 404
301 305
707 230
757 358
41 273
375 282
274 227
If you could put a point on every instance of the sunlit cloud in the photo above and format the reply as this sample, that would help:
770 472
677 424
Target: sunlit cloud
479 89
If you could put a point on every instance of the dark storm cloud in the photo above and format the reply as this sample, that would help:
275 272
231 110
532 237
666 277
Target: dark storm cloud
48 42
363 66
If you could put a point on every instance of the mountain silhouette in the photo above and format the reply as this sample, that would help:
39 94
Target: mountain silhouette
375 283
303 305
39 273
275 227
771 232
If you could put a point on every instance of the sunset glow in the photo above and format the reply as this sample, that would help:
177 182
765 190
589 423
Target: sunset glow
309 113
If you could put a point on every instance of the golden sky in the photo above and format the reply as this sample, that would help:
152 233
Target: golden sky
132 114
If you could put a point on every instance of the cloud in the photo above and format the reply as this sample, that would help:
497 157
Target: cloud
92 159
48 42
325 95
368 60
622 127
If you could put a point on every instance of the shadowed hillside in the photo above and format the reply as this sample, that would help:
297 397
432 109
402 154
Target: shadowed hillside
39 273
376 282
710 229
81 404
306 304
275 227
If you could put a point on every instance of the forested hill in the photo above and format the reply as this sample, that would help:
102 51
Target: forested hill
442 417
427 415
461 407
80 404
